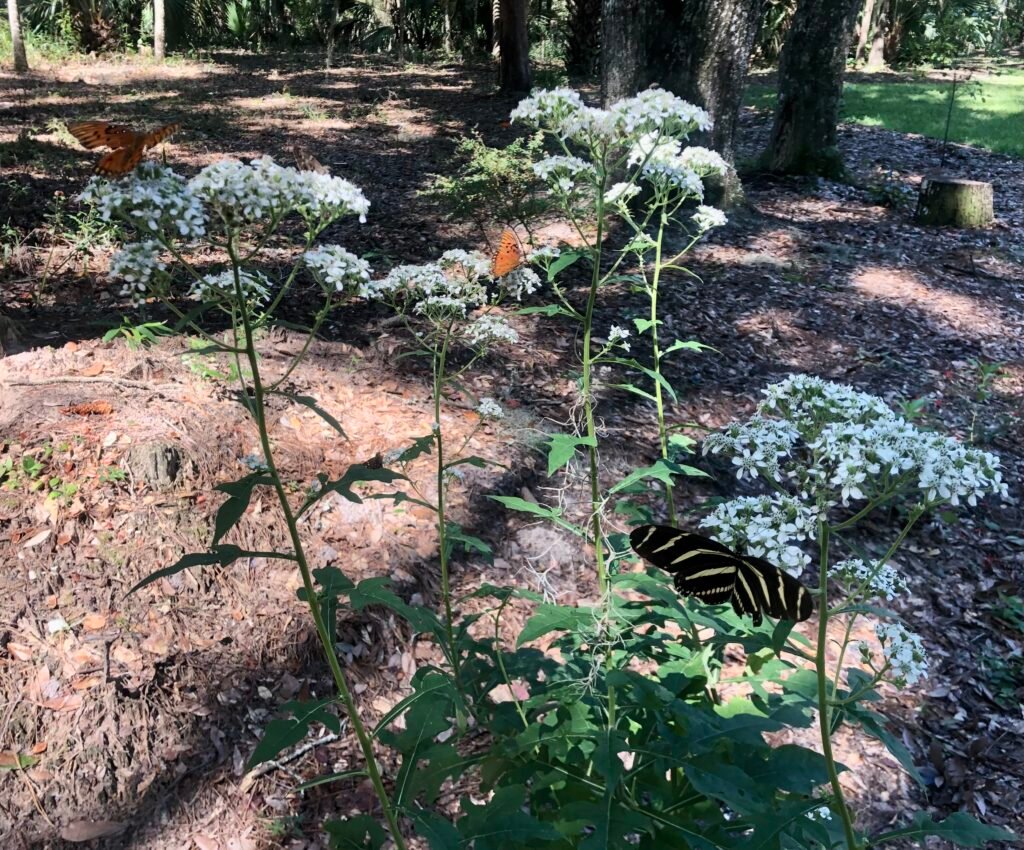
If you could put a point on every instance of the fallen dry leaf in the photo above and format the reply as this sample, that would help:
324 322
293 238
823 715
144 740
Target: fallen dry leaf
65 702
94 622
90 830
88 408
36 539
20 651
92 370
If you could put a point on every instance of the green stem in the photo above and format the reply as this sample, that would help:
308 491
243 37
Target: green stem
824 704
442 530
340 680
656 353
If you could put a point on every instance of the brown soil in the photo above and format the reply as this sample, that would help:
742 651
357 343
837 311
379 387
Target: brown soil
141 710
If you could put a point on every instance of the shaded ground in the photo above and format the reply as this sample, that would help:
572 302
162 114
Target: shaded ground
142 710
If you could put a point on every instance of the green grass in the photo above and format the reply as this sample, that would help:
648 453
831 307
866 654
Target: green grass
989 113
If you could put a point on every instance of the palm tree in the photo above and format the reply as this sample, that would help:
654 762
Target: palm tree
17 42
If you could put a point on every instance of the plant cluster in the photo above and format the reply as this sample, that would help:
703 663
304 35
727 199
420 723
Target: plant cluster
630 731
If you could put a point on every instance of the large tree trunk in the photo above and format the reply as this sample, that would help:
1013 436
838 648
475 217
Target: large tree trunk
17 42
583 44
159 31
804 135
514 44
697 49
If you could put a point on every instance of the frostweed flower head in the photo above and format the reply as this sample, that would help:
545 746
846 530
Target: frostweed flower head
904 651
521 281
657 109
621 193
877 582
470 263
153 199
652 148
766 527
545 254
661 162
707 217
246 193
136 264
822 813
488 330
756 446
221 287
618 336
338 269
431 291
562 172
325 197
549 108
704 162
490 409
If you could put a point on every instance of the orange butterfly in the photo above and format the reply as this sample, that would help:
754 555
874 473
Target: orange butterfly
127 145
509 256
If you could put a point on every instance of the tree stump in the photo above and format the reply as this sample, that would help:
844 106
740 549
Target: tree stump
157 464
954 201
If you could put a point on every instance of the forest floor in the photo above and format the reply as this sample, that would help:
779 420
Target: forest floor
133 715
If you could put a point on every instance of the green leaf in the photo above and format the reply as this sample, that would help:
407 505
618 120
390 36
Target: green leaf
689 345
501 822
657 377
283 733
24 761
361 832
357 473
563 262
439 833
635 390
562 448
376 591
239 495
959 828
551 618
642 325
109 335
546 310
421 445
875 726
517 503
311 403
331 777
221 555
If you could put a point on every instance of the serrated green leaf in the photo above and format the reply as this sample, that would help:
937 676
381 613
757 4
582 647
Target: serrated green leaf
689 345
875 726
563 262
562 449
361 832
222 555
959 828
239 495
551 618
439 833
311 403
282 733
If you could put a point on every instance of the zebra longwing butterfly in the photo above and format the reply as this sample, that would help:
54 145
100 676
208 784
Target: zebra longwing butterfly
715 574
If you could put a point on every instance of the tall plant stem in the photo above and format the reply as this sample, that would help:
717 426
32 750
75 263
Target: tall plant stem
340 681
656 352
824 686
442 529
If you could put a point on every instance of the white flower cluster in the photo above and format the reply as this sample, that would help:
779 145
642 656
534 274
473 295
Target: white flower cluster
704 161
879 582
221 287
471 263
545 253
487 330
521 281
707 217
490 409
854 446
154 199
562 171
621 193
618 336
903 651
822 813
436 294
563 112
263 189
766 527
756 445
136 264
335 268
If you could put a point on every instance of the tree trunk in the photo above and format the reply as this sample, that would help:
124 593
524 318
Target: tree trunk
159 31
864 30
514 43
697 49
954 201
804 135
583 42
17 41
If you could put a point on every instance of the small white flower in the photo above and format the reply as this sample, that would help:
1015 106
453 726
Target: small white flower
882 582
707 217
618 336
490 409
904 652
221 287
136 264
488 330
620 193
338 269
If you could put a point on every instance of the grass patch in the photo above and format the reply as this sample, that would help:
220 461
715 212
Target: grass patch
989 112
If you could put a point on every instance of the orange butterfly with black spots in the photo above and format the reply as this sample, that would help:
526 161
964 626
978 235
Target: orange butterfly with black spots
509 255
127 145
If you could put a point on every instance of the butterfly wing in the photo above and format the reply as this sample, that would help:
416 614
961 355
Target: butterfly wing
763 587
98 134
699 566
509 255
151 140
120 161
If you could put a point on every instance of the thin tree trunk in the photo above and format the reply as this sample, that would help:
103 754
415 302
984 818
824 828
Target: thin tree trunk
159 31
804 134
17 41
514 61
697 49
864 30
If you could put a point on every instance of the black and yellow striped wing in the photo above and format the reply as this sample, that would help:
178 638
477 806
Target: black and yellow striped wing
715 574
